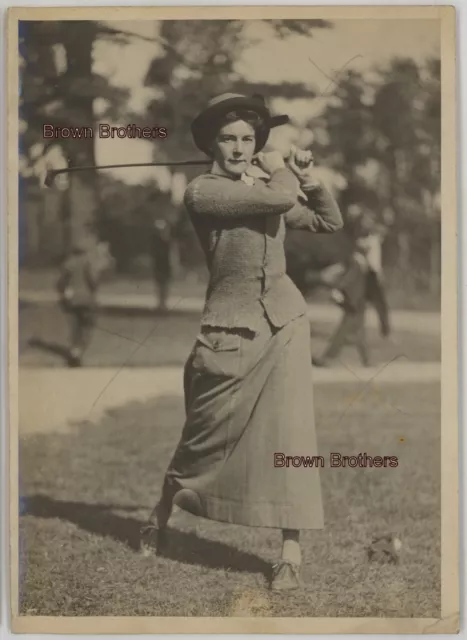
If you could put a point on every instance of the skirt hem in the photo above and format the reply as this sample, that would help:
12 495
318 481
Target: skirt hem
267 515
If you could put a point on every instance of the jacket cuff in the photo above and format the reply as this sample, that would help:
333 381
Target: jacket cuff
311 185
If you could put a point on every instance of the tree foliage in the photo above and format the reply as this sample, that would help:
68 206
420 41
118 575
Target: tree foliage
382 133
200 62
379 130
58 88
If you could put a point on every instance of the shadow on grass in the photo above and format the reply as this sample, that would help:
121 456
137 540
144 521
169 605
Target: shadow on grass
183 546
126 310
145 312
50 347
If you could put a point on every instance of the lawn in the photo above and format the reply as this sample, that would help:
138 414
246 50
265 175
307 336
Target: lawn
150 339
87 492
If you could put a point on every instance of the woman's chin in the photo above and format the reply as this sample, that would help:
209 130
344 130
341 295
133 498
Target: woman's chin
237 169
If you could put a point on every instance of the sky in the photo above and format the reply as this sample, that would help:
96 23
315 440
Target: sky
357 44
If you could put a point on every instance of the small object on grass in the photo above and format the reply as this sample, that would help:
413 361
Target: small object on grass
385 548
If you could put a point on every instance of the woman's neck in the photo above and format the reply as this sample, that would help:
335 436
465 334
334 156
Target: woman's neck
217 170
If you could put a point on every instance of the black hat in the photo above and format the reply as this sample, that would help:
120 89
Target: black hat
230 102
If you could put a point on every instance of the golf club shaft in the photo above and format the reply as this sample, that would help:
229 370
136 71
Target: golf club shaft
52 173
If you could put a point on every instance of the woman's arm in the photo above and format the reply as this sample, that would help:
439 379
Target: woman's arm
319 214
222 197
318 211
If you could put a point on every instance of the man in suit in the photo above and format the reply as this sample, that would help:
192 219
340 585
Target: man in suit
370 240
350 294
359 282
77 287
160 249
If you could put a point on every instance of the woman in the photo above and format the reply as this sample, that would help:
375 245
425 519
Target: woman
248 379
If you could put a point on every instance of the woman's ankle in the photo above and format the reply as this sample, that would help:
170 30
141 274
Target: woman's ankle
291 551
160 515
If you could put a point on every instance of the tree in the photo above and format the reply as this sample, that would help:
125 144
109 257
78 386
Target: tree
58 88
381 131
199 61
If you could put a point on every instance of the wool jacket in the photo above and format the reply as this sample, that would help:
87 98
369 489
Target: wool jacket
241 227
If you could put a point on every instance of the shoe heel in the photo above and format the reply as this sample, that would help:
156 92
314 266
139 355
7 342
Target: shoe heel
153 541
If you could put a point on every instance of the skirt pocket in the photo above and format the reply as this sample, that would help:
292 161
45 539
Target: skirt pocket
218 351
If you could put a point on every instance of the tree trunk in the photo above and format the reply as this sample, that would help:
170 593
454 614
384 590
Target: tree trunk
405 272
83 188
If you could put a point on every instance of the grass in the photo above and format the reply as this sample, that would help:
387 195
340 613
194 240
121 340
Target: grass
155 340
86 492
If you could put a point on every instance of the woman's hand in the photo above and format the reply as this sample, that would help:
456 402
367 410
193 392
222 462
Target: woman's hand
300 162
270 161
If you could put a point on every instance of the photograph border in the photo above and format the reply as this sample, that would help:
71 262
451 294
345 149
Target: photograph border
449 620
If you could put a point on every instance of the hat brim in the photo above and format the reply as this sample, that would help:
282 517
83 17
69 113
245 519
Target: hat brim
203 122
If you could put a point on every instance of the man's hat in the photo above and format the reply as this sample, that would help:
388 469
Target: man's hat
226 102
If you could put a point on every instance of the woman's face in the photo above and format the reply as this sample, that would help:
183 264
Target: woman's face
234 147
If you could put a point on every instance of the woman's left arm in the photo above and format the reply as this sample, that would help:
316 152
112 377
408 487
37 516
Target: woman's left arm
319 213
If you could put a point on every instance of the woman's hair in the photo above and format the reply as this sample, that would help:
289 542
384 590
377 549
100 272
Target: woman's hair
251 117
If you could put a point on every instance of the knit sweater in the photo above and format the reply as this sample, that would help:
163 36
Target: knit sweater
241 228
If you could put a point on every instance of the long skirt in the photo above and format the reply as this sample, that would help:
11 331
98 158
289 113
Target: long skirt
249 408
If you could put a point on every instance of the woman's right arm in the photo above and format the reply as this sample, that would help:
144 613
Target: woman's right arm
219 196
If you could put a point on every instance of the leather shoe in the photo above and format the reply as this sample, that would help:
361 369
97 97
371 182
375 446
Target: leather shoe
285 576
153 541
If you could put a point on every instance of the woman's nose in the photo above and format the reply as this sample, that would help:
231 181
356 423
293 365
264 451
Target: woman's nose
238 147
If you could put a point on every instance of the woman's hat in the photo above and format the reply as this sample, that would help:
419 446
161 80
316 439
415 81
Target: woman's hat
226 102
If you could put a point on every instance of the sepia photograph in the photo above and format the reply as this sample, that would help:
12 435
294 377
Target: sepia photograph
233 320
